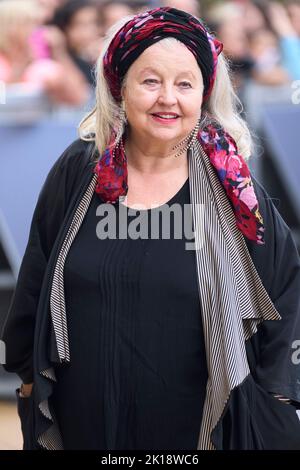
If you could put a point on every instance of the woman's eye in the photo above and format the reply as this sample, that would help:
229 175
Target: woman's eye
154 81
150 81
185 84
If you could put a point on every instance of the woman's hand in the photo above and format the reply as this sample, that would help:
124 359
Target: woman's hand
25 390
280 20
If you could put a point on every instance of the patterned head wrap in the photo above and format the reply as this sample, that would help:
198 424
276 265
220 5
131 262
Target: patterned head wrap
150 27
129 42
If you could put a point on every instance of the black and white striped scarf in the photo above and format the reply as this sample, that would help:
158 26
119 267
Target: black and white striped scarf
233 298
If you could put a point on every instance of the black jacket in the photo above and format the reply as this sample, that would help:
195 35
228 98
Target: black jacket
273 352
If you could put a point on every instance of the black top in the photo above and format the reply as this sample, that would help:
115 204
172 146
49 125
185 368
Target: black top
138 372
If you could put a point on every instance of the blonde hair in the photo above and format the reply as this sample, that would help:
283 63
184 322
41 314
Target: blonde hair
13 15
223 105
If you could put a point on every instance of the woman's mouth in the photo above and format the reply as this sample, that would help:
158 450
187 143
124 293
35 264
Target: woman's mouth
165 117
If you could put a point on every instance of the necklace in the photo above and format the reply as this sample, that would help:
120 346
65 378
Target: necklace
182 146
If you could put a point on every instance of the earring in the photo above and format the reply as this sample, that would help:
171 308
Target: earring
122 121
186 143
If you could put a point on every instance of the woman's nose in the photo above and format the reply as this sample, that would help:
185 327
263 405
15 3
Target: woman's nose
167 96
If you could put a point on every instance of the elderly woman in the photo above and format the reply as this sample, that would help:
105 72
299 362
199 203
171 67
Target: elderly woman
134 341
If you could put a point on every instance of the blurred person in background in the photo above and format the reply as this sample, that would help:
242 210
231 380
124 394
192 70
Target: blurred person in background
289 40
190 6
112 11
264 49
277 44
36 57
253 16
221 19
293 9
47 8
138 6
79 20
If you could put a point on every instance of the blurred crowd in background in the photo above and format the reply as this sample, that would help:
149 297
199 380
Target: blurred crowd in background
49 48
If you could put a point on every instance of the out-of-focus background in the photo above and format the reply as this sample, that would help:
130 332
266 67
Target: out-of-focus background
48 54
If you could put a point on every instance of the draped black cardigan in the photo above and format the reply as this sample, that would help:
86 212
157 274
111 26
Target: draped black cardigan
253 418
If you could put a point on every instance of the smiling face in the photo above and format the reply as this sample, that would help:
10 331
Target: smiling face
163 93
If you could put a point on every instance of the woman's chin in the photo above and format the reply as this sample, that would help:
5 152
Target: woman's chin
165 135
